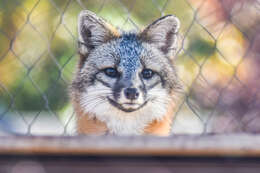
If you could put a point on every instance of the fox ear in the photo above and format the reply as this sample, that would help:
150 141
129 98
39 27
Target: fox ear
93 31
163 34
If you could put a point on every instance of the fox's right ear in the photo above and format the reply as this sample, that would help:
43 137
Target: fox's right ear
93 31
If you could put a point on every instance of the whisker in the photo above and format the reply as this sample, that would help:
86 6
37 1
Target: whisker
92 106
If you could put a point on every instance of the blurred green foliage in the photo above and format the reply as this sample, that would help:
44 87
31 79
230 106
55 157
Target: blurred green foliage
201 47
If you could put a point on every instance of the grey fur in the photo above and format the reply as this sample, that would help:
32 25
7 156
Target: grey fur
129 53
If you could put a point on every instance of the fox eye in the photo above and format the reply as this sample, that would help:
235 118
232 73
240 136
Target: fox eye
147 73
111 72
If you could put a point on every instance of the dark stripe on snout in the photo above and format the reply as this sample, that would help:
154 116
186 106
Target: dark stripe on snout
104 83
153 85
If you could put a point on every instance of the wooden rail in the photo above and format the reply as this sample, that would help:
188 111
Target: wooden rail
233 153
233 145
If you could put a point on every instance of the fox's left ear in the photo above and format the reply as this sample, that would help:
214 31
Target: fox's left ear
162 33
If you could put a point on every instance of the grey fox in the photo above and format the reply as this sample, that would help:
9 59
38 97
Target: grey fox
126 82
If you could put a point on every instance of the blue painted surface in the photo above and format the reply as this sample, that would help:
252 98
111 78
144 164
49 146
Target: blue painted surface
129 50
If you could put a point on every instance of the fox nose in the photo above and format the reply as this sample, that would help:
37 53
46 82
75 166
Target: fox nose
131 93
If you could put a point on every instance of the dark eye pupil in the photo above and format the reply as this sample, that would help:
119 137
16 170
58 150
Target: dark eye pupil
147 73
111 72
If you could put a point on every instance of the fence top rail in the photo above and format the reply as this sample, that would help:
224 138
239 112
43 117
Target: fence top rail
244 145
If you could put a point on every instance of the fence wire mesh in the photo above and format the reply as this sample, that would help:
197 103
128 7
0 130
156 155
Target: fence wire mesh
217 61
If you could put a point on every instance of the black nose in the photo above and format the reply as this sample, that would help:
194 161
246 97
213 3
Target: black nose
131 93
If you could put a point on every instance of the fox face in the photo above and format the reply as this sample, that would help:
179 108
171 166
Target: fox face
125 80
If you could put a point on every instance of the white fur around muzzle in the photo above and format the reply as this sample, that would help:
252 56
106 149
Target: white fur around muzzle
94 102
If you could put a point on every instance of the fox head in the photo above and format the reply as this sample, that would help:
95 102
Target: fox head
125 79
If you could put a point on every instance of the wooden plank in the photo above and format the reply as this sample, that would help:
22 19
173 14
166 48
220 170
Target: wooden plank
234 145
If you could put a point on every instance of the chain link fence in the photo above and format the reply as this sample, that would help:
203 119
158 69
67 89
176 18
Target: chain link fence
218 61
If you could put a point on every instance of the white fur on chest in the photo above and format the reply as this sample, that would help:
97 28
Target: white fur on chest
127 123
126 126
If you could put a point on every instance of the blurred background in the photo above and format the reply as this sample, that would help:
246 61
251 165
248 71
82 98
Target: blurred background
218 61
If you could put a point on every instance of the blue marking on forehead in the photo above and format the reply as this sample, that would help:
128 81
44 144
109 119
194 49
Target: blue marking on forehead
129 51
